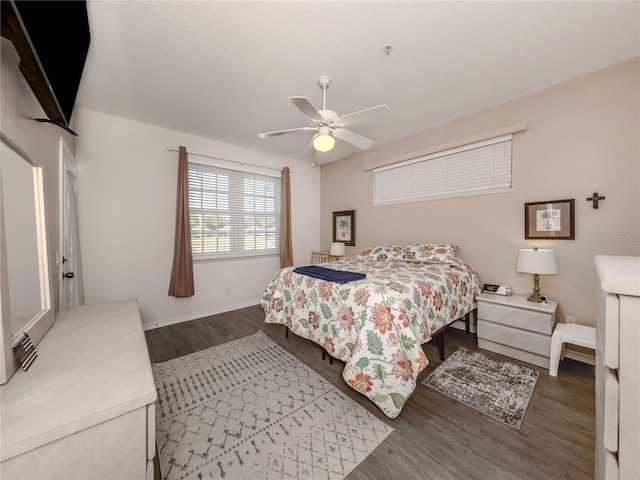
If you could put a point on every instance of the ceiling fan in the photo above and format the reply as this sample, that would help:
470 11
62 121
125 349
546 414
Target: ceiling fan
328 124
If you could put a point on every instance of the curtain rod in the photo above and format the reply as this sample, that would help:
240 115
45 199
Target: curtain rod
227 160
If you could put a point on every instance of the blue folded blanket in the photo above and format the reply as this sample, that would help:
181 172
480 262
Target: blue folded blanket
329 274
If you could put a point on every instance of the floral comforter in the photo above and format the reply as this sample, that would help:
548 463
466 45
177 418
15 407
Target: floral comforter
376 325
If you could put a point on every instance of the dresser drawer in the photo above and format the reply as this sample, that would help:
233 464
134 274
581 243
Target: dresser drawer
533 321
607 401
513 337
608 328
150 470
618 368
151 431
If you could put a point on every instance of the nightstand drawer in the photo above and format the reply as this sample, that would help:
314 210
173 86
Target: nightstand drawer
515 338
507 351
539 322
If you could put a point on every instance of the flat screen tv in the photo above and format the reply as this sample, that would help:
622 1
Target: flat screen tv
52 39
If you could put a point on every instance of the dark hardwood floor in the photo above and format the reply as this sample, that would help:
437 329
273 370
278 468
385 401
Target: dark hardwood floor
436 437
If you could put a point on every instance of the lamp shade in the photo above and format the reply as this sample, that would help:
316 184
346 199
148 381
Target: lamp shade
535 260
337 249
323 141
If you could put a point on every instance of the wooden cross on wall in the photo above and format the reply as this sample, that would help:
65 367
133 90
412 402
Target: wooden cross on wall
595 198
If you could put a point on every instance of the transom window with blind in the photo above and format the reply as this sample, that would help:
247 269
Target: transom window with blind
233 214
474 169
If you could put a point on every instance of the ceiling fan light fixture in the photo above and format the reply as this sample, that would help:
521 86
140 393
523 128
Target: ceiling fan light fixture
328 124
323 141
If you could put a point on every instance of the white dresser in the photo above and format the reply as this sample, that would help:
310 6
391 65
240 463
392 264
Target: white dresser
618 368
515 327
85 408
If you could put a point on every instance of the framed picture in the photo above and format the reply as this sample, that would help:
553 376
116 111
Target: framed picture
344 227
552 220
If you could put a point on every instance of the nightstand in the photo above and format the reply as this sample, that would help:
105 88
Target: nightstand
515 327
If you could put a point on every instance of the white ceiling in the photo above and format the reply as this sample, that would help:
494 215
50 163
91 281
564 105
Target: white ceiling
224 69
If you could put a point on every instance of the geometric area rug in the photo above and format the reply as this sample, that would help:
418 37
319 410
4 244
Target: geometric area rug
248 409
497 388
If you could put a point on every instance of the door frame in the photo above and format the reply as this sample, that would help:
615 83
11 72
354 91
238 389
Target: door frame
65 156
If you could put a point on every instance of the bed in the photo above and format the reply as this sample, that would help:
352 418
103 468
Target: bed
377 325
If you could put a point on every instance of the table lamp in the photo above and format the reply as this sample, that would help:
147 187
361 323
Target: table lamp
337 249
539 262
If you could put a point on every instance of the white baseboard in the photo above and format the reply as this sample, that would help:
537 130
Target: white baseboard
580 356
196 315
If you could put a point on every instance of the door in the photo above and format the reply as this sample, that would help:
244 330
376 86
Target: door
70 267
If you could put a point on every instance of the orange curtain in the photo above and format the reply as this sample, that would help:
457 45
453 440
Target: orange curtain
181 284
286 247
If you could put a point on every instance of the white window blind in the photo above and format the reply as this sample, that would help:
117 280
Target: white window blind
233 214
479 168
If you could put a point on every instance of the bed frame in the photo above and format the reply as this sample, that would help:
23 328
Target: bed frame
438 335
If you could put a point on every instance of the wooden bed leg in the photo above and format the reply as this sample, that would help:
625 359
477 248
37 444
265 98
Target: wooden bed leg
286 332
440 341
324 356
467 323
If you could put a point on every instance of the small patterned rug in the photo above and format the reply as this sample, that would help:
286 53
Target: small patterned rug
248 409
497 388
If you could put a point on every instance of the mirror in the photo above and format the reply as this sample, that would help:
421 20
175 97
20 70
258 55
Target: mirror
25 293
20 239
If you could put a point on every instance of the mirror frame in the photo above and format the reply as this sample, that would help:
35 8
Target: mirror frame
43 320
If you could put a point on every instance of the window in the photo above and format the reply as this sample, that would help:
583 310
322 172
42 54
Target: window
233 214
475 169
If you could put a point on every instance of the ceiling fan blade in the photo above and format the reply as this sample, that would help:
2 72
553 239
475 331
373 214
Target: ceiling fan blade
284 132
353 138
366 115
309 148
306 107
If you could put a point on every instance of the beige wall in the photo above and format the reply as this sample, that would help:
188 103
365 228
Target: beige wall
126 192
582 136
116 155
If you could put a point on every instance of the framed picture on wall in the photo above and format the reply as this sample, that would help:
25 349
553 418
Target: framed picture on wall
553 220
344 227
